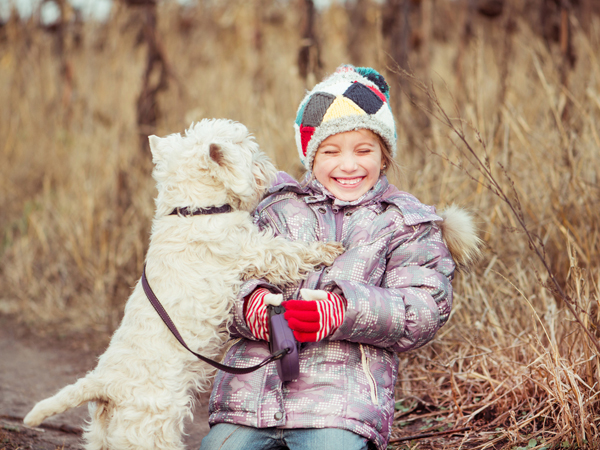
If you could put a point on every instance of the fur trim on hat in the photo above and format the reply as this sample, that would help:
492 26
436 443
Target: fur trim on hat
353 98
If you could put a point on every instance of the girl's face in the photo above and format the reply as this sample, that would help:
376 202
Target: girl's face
348 164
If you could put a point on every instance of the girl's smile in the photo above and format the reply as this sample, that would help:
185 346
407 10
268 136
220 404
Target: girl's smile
348 164
349 182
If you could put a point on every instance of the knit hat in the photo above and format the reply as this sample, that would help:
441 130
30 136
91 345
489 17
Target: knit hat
350 99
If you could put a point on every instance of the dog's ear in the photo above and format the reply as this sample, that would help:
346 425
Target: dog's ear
216 154
263 170
154 142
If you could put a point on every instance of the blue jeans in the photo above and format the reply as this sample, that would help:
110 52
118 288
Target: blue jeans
225 436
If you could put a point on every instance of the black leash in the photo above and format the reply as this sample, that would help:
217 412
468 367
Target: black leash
202 211
169 323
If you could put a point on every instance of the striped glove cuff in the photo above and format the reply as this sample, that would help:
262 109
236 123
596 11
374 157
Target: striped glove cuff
331 314
256 314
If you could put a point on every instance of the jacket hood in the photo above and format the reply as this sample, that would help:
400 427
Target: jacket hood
457 224
412 209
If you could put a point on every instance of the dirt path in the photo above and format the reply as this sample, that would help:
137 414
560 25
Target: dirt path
32 369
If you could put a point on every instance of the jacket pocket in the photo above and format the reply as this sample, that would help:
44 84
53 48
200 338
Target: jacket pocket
364 356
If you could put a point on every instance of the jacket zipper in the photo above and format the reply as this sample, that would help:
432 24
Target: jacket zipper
338 218
370 378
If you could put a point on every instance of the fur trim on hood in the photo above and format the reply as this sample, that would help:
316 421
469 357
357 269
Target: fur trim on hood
460 235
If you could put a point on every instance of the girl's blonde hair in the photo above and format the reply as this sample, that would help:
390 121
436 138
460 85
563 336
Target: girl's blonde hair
390 164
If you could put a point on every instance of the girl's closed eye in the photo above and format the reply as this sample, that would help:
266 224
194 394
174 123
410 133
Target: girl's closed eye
329 151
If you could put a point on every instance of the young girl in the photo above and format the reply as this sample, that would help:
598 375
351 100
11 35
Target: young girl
389 292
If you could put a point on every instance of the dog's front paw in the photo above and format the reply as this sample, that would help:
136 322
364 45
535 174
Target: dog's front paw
329 251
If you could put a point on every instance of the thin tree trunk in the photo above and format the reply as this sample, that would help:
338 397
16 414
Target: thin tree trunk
66 67
426 29
465 39
395 27
586 15
309 58
147 104
566 50
357 12
258 78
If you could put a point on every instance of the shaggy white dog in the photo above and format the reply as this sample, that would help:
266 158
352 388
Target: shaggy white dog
144 384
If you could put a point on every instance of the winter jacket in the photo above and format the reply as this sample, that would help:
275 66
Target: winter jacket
395 274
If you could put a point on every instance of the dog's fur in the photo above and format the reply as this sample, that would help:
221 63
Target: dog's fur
143 386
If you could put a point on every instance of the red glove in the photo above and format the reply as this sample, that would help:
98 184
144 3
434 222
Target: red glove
256 314
315 317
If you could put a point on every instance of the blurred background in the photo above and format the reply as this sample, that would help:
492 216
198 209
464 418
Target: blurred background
497 105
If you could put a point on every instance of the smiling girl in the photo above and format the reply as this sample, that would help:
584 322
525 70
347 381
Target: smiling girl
389 292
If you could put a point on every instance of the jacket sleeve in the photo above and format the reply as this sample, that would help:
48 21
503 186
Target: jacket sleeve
413 300
238 327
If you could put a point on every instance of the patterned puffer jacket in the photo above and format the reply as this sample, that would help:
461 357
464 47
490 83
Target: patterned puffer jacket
395 274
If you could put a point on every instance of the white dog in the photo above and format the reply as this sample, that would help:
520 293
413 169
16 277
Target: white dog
144 384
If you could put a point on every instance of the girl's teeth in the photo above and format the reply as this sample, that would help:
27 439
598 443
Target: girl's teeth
353 181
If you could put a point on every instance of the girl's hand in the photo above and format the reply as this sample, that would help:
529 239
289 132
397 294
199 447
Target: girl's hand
315 317
256 314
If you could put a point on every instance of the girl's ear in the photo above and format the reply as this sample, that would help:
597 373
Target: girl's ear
154 142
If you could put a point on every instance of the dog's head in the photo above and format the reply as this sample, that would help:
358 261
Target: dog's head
217 162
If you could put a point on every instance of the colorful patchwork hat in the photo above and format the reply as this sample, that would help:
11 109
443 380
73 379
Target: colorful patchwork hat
350 99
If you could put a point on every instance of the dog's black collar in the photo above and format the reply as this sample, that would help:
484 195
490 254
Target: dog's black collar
212 210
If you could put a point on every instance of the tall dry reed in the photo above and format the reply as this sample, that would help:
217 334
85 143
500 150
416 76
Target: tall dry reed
514 363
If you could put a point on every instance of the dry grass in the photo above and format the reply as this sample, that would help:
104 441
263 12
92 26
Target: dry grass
515 362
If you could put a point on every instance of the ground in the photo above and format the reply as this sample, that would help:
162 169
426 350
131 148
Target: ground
33 368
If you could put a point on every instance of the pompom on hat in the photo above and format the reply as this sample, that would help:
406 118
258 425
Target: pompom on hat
350 99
